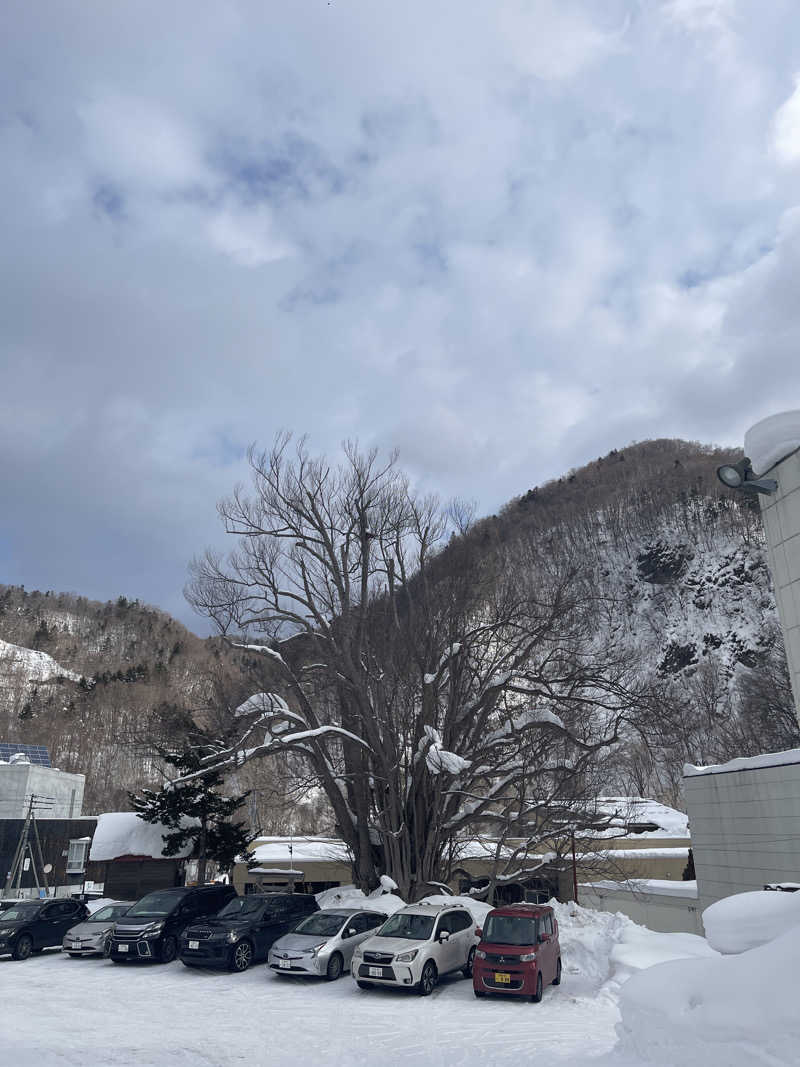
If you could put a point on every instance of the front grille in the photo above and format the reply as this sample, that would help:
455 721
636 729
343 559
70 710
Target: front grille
489 982
506 961
200 934
378 957
386 976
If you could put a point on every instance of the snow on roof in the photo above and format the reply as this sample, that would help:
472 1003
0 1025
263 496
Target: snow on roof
656 886
772 439
745 763
270 850
123 833
638 811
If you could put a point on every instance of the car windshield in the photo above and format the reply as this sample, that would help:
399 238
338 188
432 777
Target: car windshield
240 907
109 913
20 911
155 905
404 924
321 925
510 930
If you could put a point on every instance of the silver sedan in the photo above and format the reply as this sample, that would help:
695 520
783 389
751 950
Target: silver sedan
90 937
323 943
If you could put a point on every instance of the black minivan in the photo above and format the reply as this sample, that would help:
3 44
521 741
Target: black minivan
153 926
244 930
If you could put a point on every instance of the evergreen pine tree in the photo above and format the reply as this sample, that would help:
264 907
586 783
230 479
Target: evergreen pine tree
195 812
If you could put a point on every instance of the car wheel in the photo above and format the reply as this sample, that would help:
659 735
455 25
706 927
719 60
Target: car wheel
363 985
335 967
241 957
23 947
557 979
107 949
169 950
427 979
537 996
467 972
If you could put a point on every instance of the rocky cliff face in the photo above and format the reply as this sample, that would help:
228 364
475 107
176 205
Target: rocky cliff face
675 573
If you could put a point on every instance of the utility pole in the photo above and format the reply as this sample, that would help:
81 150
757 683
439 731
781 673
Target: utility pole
574 871
25 849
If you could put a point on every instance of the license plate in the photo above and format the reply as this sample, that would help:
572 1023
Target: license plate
376 972
286 964
194 944
501 978
123 948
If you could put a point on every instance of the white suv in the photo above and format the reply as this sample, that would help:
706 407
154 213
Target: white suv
416 945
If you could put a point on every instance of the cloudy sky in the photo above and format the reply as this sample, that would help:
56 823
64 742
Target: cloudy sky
503 237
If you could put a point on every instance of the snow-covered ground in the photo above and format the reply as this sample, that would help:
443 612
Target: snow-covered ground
62 1011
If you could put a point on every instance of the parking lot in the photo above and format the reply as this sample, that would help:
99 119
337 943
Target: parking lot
58 1010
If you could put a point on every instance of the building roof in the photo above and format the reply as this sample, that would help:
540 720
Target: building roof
123 833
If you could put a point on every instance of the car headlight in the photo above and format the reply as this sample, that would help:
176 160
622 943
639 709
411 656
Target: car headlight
233 937
316 948
358 952
480 953
407 957
6 931
154 930
526 957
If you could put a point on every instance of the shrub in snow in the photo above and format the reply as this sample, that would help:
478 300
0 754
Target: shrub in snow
746 920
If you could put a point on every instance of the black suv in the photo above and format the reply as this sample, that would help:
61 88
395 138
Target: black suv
31 925
244 930
150 930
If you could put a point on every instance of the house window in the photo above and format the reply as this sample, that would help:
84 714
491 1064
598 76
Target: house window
78 853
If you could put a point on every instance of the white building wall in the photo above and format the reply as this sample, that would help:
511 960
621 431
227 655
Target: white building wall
745 827
666 914
781 515
19 780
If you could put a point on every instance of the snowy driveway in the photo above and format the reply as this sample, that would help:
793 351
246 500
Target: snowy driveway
56 1010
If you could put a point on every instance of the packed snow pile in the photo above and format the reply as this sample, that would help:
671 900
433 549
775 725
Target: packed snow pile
718 1012
31 665
476 908
772 439
123 833
347 896
747 920
608 947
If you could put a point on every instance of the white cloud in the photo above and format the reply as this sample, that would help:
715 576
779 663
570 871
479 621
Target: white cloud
786 128
506 238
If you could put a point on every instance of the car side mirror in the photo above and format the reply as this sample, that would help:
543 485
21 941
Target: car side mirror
543 938
444 935
478 931
352 932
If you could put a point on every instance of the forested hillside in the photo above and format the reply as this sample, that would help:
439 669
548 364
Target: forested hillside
672 573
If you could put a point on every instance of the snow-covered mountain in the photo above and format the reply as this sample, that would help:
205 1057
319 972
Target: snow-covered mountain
20 665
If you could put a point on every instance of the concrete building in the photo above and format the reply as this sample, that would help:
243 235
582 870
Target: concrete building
61 792
745 813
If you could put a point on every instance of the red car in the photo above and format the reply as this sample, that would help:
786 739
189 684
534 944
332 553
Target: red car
519 953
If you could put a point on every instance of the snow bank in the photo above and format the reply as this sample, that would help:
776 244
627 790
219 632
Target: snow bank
476 908
123 833
347 896
772 439
720 1011
747 920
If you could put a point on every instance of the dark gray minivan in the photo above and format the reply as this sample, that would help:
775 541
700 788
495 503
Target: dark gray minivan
152 928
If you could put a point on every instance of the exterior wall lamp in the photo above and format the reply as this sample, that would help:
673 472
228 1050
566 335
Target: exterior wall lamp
742 476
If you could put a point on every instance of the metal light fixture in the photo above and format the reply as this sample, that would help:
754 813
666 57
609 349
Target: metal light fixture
741 476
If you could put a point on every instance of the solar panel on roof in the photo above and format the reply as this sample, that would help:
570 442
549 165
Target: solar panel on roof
37 754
